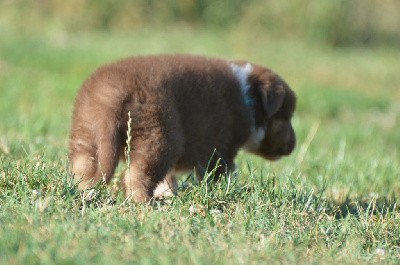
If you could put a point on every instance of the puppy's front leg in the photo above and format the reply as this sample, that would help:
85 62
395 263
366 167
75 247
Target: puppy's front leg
218 166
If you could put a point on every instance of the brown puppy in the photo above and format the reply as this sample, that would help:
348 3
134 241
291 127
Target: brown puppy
188 112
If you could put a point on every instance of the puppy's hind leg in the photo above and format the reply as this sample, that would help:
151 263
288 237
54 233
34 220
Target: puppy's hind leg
143 175
94 149
151 160
83 156
107 155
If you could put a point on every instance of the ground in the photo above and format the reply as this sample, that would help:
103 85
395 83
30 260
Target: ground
335 199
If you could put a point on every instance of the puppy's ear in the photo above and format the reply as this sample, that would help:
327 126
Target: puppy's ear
272 94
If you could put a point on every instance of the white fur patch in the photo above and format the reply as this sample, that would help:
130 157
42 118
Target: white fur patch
167 188
257 134
242 72
255 138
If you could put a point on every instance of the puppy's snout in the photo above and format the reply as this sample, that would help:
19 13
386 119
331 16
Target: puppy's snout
289 146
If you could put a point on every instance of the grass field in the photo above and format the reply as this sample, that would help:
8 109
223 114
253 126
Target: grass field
334 200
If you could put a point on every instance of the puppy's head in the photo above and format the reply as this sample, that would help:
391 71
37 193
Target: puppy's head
274 105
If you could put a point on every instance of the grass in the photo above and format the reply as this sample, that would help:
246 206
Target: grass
335 199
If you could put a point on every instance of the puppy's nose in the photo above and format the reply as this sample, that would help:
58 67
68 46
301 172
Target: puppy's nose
288 148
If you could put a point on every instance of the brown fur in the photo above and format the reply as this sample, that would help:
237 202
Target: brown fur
185 111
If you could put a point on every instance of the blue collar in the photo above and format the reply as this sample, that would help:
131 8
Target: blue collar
248 100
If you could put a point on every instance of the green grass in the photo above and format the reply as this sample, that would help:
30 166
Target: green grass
334 200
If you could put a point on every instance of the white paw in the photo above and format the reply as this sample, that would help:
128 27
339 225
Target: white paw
167 188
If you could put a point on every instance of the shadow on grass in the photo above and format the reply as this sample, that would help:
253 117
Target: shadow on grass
268 192
367 205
